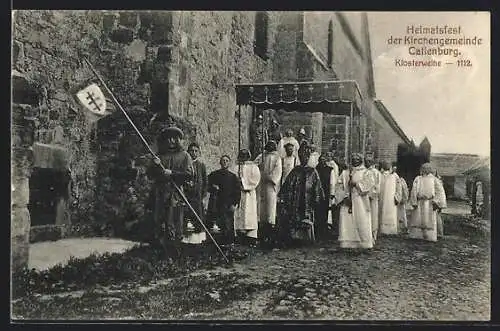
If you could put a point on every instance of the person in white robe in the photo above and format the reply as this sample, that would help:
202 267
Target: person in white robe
440 227
374 194
313 160
479 198
427 198
288 162
390 196
331 163
402 218
333 213
246 218
270 167
352 193
288 139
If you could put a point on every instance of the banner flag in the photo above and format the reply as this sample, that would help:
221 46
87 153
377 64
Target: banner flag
94 102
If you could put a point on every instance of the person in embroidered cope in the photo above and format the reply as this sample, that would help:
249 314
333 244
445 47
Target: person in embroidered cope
427 198
352 193
299 198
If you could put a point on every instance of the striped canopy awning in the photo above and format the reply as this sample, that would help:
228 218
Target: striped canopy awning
319 96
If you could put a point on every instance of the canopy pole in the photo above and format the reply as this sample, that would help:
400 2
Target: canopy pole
239 141
239 128
263 131
350 133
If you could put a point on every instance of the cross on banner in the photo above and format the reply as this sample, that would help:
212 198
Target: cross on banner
93 99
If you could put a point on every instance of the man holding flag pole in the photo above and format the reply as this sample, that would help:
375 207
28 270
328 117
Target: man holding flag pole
169 197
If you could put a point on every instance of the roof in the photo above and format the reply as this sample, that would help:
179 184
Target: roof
451 164
483 164
392 122
425 142
301 96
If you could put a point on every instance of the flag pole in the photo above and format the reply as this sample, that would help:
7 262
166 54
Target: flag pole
179 191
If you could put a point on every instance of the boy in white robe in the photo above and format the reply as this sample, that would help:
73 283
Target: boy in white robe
374 194
270 167
390 196
427 197
440 227
352 193
246 218
402 219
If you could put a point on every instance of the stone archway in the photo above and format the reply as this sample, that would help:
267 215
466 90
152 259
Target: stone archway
49 184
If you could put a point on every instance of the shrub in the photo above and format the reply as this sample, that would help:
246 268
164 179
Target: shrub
139 264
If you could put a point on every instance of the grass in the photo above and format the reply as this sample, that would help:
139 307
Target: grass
139 264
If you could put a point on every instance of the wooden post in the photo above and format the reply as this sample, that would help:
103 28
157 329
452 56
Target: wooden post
350 133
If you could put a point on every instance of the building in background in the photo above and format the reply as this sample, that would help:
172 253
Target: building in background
452 168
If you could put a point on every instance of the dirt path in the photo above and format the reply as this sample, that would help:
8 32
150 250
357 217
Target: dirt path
400 279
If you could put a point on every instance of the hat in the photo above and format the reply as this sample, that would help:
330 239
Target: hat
271 146
426 168
357 155
386 165
171 131
244 155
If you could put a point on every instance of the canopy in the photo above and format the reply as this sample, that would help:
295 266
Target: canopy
334 97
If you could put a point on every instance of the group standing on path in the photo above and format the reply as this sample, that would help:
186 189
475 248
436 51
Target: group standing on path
289 194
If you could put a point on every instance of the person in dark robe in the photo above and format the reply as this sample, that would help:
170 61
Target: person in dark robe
328 180
258 136
196 192
168 211
225 193
302 137
275 131
299 198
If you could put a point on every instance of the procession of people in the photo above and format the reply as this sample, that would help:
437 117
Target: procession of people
289 194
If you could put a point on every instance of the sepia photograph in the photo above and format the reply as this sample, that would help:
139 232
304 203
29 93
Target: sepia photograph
250 166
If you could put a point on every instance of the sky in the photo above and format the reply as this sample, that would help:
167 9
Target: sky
450 105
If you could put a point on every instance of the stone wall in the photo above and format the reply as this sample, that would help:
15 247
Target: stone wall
213 51
386 137
21 164
46 51
351 52
335 133
49 47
